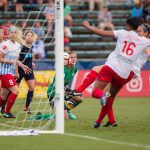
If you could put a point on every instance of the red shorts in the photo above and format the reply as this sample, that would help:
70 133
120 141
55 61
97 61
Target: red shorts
7 81
108 75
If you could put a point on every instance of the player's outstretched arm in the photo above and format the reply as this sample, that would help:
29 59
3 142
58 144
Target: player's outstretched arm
97 31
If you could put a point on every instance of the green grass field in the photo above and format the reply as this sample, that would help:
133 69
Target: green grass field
133 132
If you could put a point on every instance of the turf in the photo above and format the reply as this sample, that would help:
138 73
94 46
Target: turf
132 115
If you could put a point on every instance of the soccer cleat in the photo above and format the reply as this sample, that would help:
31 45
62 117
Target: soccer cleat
71 116
27 109
110 124
8 115
96 125
103 99
72 92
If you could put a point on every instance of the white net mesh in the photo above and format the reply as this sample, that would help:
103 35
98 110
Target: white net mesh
43 116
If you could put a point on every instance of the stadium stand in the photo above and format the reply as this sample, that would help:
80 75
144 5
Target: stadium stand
86 44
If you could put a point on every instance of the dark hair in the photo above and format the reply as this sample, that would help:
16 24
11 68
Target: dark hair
133 22
146 26
28 32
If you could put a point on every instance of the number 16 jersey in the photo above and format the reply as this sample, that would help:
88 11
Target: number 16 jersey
129 47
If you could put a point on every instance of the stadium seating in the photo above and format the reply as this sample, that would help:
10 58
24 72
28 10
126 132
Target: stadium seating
86 44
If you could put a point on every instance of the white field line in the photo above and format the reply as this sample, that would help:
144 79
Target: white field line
110 141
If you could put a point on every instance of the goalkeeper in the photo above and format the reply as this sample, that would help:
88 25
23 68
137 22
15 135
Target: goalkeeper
69 72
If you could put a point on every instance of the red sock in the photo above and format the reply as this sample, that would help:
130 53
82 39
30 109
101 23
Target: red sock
11 99
90 78
1 101
97 93
110 114
105 109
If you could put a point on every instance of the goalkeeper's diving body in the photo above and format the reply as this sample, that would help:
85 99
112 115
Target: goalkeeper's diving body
69 71
70 101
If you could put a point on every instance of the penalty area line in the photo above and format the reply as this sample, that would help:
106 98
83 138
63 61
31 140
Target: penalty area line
109 141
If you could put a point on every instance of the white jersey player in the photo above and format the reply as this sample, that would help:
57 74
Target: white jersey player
9 53
118 67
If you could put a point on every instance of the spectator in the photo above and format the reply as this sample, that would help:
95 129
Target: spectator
93 3
38 49
49 13
105 19
137 10
146 11
38 30
40 2
6 27
3 5
67 11
19 8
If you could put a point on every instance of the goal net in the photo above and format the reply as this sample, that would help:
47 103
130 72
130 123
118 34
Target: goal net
44 118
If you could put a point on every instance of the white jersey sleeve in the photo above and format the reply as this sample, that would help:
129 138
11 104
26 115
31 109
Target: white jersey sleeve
119 33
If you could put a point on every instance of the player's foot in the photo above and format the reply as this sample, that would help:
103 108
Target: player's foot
110 124
27 109
103 99
72 92
96 125
8 115
71 116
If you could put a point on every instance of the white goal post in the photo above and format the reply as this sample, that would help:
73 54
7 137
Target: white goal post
59 50
22 124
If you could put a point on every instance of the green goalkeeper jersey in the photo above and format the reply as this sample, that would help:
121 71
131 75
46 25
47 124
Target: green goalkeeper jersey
68 77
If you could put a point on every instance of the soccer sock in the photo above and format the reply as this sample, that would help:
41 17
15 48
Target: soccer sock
29 98
97 93
105 109
110 114
90 78
5 101
11 99
1 101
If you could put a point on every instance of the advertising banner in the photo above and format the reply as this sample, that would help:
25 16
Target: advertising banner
138 87
42 80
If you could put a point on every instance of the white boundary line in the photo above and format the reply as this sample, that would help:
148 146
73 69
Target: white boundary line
109 141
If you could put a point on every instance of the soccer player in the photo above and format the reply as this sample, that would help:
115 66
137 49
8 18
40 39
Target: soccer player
9 54
118 67
69 72
143 30
26 57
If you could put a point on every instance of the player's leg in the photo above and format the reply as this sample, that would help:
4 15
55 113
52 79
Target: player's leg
3 95
13 87
116 85
7 93
107 108
111 118
89 79
31 85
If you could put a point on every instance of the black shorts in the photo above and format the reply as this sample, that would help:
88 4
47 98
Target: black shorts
22 75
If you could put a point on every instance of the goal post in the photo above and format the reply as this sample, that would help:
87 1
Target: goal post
52 120
59 50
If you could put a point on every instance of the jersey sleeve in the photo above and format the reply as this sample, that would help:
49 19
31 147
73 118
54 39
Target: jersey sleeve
118 33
